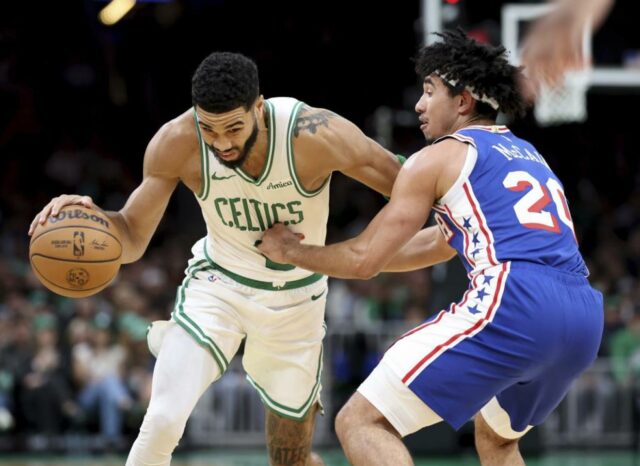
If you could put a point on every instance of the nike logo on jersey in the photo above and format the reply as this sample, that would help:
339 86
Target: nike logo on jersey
219 178
315 297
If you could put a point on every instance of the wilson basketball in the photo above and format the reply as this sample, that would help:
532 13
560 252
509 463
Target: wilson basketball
77 253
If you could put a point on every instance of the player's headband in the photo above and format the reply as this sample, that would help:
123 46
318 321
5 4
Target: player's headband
493 103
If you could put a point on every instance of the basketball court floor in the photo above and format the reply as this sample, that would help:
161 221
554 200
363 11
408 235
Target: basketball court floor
332 458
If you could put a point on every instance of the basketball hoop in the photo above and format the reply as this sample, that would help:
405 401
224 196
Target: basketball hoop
565 102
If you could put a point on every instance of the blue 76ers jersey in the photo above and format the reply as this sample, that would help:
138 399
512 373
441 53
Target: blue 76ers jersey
507 205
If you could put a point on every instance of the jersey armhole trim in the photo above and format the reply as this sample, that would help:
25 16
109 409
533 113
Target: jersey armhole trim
204 160
469 164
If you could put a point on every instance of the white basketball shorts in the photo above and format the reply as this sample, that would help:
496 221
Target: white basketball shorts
283 330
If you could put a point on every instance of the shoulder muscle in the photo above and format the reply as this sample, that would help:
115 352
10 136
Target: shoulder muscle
441 163
170 148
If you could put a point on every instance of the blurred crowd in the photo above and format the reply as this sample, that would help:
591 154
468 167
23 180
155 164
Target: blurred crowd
77 109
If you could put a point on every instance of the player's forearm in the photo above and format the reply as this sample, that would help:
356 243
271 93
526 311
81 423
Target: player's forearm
141 215
378 174
133 246
406 262
425 249
340 260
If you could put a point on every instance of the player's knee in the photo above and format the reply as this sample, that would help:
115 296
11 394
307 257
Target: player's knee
342 423
347 419
166 425
487 439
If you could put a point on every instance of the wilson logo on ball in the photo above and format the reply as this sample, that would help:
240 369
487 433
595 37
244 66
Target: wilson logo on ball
79 214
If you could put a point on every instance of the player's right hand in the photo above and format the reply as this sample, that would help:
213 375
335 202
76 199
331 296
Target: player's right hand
57 203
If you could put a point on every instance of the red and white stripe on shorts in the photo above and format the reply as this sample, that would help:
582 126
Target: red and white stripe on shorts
416 349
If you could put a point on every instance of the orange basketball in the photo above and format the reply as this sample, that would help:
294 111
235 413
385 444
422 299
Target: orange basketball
77 253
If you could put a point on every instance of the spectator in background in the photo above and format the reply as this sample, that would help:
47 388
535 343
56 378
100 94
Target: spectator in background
44 393
15 354
613 323
98 370
79 327
132 329
625 352
625 355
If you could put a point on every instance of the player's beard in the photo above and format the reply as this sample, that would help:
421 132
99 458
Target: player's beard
244 152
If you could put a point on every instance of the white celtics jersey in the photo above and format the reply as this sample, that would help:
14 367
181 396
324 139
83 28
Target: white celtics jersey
238 208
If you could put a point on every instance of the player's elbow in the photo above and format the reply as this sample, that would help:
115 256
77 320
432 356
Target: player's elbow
128 257
444 252
133 247
365 269
365 273
364 265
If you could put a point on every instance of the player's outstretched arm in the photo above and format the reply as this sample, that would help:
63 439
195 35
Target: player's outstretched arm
426 176
331 143
142 213
367 254
428 247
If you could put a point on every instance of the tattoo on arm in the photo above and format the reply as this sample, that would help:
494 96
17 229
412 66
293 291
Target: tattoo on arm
311 119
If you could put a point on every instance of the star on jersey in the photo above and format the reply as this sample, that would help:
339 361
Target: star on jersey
466 222
481 294
474 309
487 279
475 239
474 252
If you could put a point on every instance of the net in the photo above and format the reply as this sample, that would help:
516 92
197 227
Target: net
565 102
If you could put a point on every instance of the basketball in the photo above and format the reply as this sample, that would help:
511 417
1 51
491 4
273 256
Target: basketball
77 253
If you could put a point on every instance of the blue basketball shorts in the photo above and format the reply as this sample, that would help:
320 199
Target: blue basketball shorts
521 333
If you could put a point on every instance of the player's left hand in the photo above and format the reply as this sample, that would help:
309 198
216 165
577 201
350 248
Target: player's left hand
277 240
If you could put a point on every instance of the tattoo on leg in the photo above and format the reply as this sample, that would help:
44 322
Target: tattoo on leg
289 456
311 119
289 441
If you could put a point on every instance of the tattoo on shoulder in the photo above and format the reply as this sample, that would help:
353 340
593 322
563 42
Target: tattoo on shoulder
311 119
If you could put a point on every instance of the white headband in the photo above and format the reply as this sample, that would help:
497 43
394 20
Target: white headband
493 103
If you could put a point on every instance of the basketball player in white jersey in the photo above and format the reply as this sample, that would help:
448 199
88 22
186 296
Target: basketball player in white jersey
251 163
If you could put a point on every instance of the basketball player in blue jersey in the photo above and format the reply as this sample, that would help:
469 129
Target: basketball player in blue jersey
250 162
529 322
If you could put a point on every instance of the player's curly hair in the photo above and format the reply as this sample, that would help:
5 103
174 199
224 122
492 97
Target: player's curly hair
482 68
224 81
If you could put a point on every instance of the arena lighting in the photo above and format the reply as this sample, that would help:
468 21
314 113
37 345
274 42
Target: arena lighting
114 11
